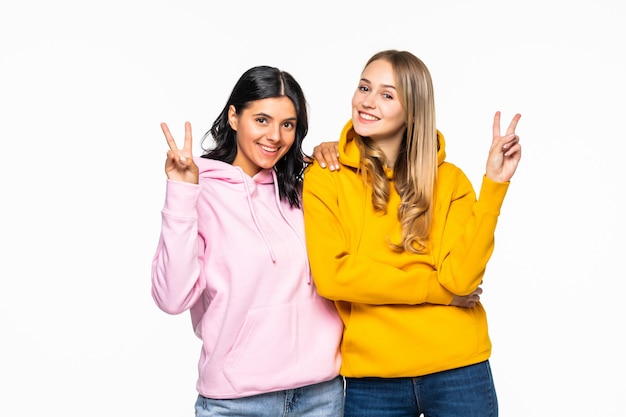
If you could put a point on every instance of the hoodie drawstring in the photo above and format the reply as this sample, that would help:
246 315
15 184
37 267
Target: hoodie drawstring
282 213
254 218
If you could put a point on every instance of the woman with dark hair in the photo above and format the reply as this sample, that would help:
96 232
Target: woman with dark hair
232 252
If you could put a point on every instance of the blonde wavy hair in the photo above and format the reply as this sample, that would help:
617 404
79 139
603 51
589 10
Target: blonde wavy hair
415 169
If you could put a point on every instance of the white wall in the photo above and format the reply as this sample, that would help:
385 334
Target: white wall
84 86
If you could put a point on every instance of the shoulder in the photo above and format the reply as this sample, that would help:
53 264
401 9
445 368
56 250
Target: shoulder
314 169
452 180
318 180
449 171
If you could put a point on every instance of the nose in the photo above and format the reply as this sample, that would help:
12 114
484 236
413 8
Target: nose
273 133
369 101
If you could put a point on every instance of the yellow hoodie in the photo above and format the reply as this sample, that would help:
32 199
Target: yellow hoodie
395 306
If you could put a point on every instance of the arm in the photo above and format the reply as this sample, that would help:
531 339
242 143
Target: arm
176 283
468 240
342 275
465 242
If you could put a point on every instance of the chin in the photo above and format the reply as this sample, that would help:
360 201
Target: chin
268 165
364 132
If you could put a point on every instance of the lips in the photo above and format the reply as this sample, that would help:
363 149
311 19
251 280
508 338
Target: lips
268 148
369 117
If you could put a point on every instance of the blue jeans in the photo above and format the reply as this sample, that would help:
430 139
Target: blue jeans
463 392
318 400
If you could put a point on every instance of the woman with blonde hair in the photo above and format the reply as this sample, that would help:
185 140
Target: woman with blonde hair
398 239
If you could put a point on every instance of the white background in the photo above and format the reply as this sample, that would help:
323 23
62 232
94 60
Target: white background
84 86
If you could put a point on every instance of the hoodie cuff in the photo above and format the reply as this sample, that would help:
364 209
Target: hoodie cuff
437 294
492 195
181 198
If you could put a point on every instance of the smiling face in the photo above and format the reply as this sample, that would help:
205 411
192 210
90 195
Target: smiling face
376 109
265 130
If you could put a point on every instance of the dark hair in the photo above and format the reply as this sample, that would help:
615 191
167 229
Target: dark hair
259 83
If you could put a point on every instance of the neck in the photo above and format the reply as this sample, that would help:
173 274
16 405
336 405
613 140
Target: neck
390 148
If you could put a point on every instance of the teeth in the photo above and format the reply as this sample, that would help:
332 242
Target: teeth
268 149
368 117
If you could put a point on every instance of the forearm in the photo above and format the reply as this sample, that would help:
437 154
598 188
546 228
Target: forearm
176 264
469 239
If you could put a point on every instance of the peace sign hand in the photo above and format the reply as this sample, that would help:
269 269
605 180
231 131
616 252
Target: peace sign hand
505 152
179 165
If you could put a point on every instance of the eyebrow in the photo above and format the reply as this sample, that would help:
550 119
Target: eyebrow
384 85
267 116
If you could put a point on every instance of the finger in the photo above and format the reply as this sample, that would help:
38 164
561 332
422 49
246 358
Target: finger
331 158
327 158
515 149
496 127
512 141
326 155
513 124
172 157
168 136
335 155
318 156
187 145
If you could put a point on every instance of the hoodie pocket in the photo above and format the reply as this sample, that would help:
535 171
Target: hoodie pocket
265 354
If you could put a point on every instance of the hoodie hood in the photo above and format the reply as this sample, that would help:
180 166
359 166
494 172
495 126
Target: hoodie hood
210 168
234 175
349 153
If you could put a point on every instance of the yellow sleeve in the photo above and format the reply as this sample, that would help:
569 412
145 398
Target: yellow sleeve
342 275
468 238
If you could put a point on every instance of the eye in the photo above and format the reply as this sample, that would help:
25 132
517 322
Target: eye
261 120
388 96
289 125
363 88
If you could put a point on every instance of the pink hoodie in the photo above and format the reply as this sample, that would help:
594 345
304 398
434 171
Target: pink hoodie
234 255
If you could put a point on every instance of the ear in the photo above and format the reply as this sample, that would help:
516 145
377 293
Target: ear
232 117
